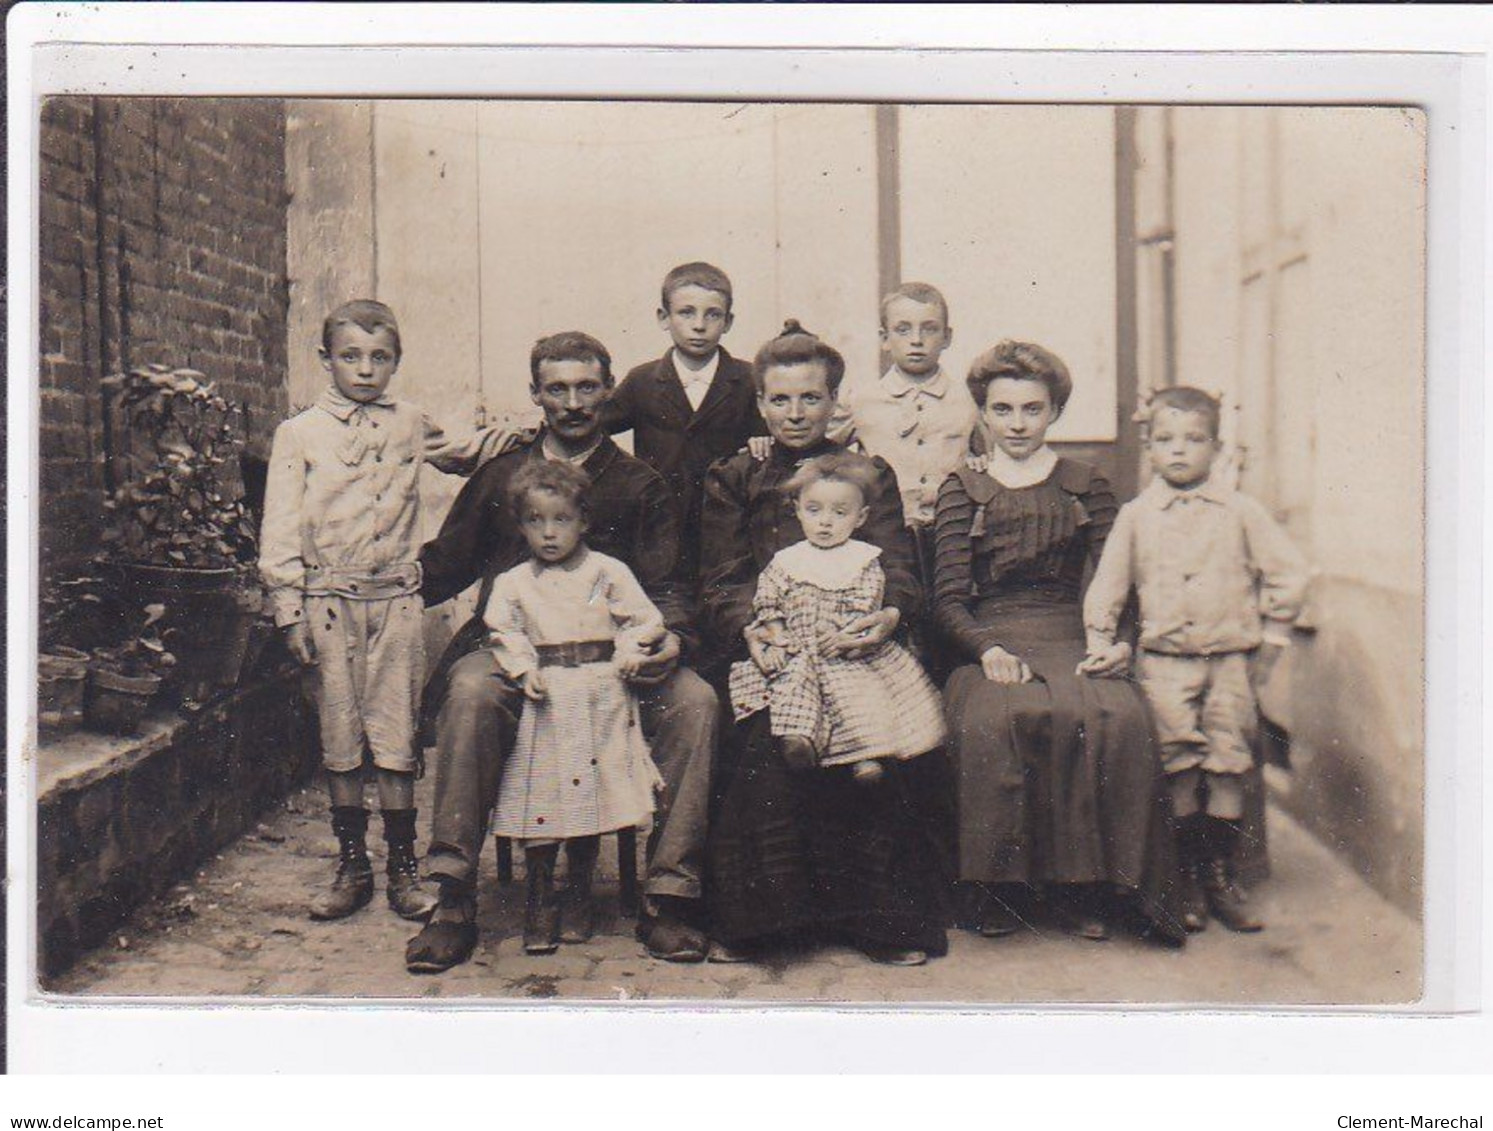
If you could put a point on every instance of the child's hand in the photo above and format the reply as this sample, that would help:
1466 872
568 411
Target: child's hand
769 646
977 463
534 686
1002 667
760 447
1107 663
298 640
1265 659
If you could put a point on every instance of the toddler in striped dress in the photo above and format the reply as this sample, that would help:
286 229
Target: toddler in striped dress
567 626
832 710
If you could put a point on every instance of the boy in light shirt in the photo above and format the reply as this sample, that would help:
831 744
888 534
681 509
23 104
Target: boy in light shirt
914 416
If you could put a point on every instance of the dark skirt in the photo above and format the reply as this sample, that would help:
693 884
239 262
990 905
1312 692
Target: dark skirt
814 851
1059 780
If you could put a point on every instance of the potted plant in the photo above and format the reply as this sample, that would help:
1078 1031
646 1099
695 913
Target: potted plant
68 609
178 533
124 678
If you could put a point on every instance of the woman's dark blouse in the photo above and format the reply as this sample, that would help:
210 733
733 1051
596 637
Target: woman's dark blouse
746 519
996 546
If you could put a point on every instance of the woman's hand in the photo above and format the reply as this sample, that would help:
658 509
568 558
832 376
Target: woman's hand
534 686
769 645
1107 663
760 447
977 462
1002 667
298 640
861 636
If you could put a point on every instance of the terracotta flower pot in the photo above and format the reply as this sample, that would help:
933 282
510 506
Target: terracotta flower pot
209 613
62 675
116 704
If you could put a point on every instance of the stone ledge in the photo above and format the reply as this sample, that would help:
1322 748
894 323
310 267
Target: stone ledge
121 819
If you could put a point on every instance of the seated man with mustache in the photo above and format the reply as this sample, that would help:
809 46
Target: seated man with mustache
632 518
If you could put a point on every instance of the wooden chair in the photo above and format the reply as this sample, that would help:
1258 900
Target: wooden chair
627 867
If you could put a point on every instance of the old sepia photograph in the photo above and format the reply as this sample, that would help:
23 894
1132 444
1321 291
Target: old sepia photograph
741 552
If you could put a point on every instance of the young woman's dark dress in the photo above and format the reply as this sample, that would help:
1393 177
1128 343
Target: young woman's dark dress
812 850
1058 779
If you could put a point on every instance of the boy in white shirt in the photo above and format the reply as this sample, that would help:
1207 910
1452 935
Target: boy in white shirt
1220 585
339 556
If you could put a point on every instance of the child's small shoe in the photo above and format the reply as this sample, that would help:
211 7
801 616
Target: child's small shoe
885 955
577 914
868 772
1226 900
541 910
1194 901
797 752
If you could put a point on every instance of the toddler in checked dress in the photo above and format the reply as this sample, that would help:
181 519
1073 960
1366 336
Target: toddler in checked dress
832 710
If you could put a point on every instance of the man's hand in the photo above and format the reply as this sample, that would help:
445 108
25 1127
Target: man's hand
298 640
660 658
769 645
1107 663
1265 659
760 447
535 686
1002 667
862 636
977 463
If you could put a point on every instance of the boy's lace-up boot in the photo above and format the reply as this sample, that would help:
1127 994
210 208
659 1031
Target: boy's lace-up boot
1190 859
577 909
352 887
1226 900
408 895
541 910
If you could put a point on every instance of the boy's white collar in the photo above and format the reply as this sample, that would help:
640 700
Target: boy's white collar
899 384
835 568
706 372
1013 474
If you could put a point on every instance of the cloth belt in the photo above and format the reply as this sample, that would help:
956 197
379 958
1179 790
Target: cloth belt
362 582
573 654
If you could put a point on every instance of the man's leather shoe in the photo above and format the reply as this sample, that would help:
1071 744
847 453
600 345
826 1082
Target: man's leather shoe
448 940
670 940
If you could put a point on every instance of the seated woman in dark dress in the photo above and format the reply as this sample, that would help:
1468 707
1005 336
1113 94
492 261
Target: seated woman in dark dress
1058 777
800 849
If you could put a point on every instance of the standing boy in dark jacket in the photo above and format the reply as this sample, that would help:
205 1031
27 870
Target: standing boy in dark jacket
695 404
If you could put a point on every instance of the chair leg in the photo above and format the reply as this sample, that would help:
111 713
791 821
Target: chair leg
505 859
627 871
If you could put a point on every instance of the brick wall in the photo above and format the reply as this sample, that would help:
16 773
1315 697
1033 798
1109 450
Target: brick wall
162 239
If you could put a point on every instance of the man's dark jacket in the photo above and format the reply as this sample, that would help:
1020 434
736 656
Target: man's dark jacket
680 442
632 518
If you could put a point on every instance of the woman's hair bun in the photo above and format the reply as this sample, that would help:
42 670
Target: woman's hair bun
793 326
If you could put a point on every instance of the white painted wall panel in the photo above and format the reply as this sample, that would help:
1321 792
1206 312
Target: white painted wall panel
1010 210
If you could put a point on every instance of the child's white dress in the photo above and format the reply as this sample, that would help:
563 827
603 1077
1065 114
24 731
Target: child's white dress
882 706
580 765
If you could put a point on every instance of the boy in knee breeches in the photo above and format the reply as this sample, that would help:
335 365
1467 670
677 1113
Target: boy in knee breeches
339 556
1220 585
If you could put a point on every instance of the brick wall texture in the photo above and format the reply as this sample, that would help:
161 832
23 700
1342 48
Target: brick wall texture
162 239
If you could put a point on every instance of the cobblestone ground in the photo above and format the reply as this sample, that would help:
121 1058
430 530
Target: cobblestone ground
238 928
